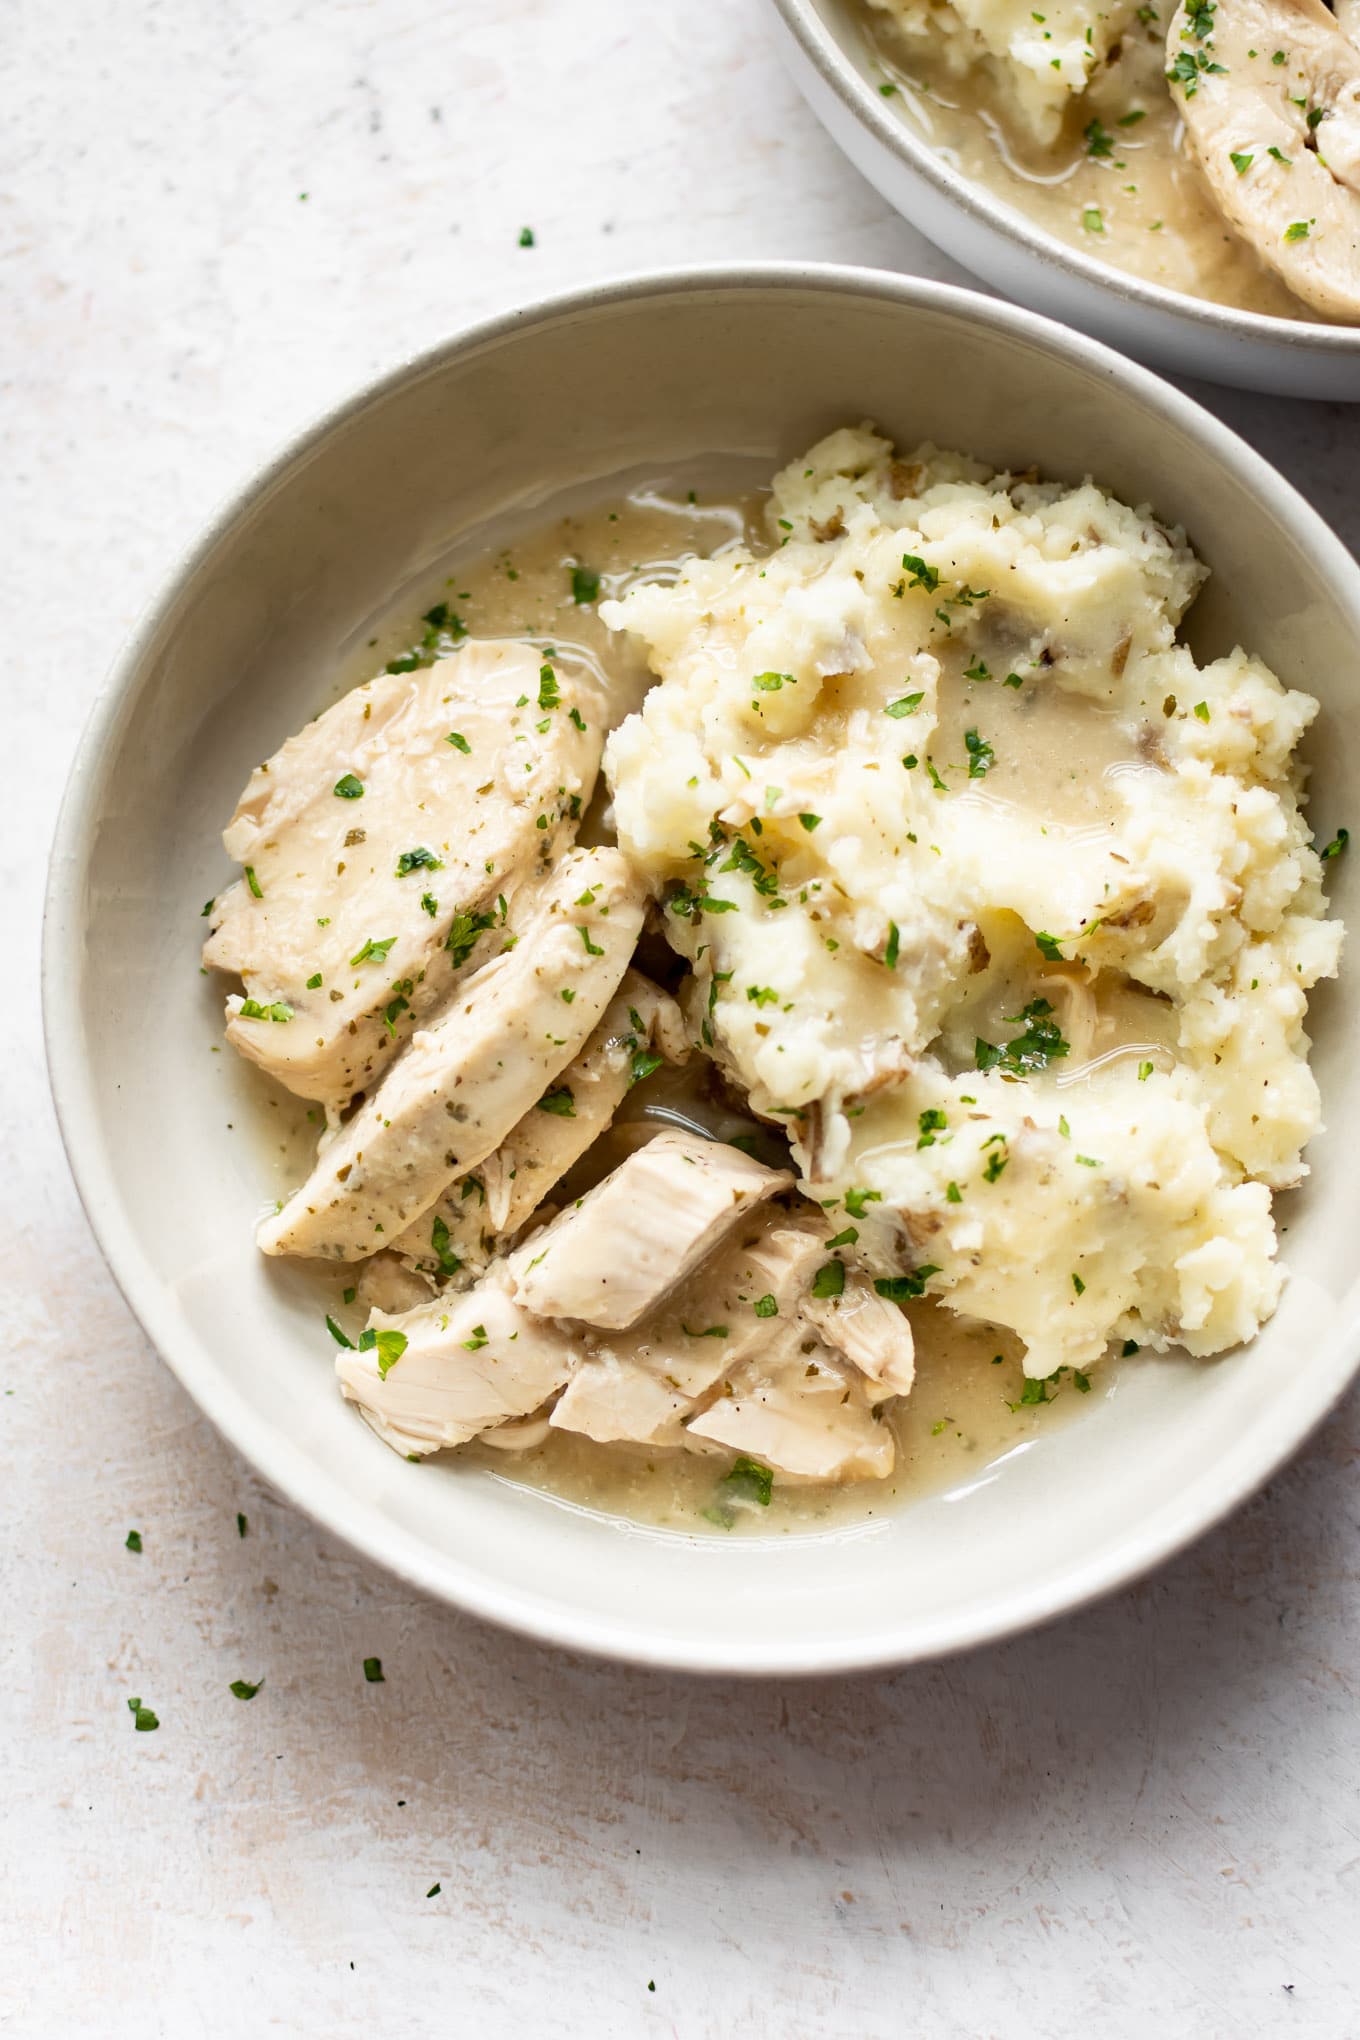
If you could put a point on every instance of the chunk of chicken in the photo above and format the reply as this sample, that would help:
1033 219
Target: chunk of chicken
469 1362
460 1085
616 1253
802 1412
1270 93
639 1384
871 1333
382 846
476 1215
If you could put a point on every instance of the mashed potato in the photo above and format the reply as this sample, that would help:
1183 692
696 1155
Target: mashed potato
1002 906
1042 61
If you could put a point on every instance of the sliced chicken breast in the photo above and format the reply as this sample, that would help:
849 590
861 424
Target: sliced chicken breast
460 1085
456 1366
616 1253
473 1219
385 846
802 1412
873 1334
637 1385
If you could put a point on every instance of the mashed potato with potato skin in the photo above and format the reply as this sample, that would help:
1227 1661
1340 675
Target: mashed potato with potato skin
1003 907
1042 60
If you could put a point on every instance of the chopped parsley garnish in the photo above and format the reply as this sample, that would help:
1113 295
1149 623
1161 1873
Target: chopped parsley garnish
251 1009
1099 140
340 1338
931 1123
373 1671
1144 1071
1336 846
374 951
1128 1349
1092 219
559 1102
1297 230
1078 1285
548 694
709 1332
526 240
935 778
902 1288
644 1061
314 981
892 947
1039 1044
1188 68
142 1717
747 1482
829 1279
449 1262
463 935
979 670
762 995
577 717
922 576
1241 161
810 822
1089 1162
389 1346
1199 19
244 1689
771 683
592 948
855 1201
1280 156
253 882
429 903
419 859
907 705
846 1237
1081 1382
981 756
476 1340
585 586
133 1540
436 1887
765 1306
953 1194
348 788
997 1160
1049 946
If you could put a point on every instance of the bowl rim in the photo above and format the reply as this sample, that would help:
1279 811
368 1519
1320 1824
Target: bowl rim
285 1465
806 21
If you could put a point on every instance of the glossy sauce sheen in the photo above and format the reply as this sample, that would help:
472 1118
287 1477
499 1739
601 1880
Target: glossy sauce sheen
1144 206
965 1410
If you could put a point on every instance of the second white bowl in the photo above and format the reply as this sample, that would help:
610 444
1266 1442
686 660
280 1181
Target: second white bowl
827 51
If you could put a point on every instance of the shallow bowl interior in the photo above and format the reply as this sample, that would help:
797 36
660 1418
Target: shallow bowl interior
246 644
831 58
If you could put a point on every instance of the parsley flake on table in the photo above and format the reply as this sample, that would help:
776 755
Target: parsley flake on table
373 1671
244 1689
133 1540
142 1717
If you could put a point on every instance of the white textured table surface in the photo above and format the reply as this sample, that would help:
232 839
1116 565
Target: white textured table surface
215 217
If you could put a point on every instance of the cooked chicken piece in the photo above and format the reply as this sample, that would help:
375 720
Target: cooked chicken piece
747 1294
618 1251
459 1087
638 1385
871 1333
1270 93
799 1410
458 1365
477 1214
383 847
385 1283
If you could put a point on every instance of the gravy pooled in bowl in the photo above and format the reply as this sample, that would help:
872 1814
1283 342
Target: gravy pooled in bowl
791 988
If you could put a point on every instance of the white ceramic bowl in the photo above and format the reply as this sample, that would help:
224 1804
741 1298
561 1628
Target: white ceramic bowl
244 644
824 44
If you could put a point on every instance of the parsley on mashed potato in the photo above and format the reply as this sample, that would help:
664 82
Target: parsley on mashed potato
996 900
